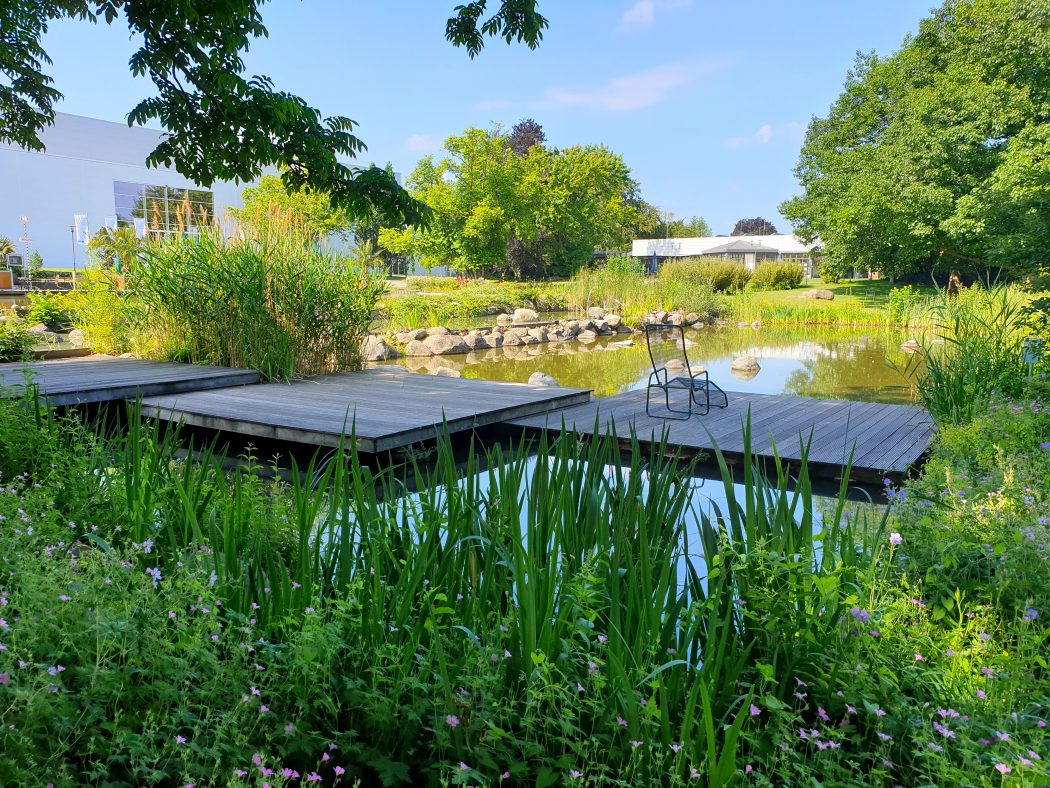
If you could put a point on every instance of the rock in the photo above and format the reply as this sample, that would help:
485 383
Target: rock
493 340
541 379
622 329
375 348
911 346
823 295
438 331
126 355
526 316
613 321
558 335
37 330
447 372
476 342
587 325
504 319
446 344
529 339
407 336
742 324
417 349
511 339
587 336
660 317
675 365
692 318
538 333
571 327
745 364
519 331
595 311
624 343
676 319
77 337
756 323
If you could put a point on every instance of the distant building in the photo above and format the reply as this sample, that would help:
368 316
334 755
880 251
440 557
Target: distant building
749 250
97 169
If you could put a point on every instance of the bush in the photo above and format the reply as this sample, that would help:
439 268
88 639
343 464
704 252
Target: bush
902 303
15 341
52 309
776 276
275 303
722 276
622 264
112 319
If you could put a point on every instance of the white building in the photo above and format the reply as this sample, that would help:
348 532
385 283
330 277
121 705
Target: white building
747 249
97 168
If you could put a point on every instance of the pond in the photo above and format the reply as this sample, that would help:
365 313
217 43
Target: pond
821 362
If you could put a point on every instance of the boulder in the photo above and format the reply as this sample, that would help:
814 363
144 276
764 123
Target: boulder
745 364
38 330
595 312
587 336
911 346
675 365
823 295
538 333
659 317
571 327
417 349
587 325
526 316
613 321
446 344
624 343
511 339
438 331
77 337
541 379
676 319
407 336
375 348
493 340
476 342
447 372
558 335
529 339
692 318
504 319
519 331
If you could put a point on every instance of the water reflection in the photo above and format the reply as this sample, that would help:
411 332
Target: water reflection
811 362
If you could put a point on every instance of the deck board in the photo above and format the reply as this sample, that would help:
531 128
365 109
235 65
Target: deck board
886 439
386 408
104 378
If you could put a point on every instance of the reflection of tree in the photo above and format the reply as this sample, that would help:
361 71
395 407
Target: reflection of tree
848 371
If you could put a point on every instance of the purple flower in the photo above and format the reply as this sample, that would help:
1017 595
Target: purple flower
180 739
896 539
919 657
981 694
1002 768
621 722
884 736
463 767
452 721
635 744
754 710
860 615
1029 614
1045 446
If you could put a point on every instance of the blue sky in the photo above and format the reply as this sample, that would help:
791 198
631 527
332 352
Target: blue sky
707 102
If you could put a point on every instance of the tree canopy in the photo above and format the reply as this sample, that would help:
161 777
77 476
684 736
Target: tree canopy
693 227
938 155
222 124
756 226
312 212
494 211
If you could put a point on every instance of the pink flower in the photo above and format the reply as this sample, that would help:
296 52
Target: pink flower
1002 768
574 774
635 744
313 777
64 598
286 772
884 736
452 720
289 729
896 539
463 767
919 657
339 770
180 739
264 709
754 710
621 722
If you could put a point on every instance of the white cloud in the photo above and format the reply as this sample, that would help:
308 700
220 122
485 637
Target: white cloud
424 143
632 91
765 134
643 13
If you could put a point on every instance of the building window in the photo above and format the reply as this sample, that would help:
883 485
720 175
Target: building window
166 209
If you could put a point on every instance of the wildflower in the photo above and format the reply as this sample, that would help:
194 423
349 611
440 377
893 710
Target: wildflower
800 682
754 710
264 709
339 770
801 695
54 670
945 732
1033 754
874 633
5 678
884 736
602 638
985 636
1001 736
850 709
147 546
310 610
887 763
621 722
896 539
255 692
287 772
935 747
64 598
1029 614
155 574
1045 446
463 767
313 777
693 774
325 758
180 739
171 614
289 729
298 585
211 580
635 744
919 657
879 713
860 615
1002 768
592 667
452 721
676 748
575 774
239 772
987 672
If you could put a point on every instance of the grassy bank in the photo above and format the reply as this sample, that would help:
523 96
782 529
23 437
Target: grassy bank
449 301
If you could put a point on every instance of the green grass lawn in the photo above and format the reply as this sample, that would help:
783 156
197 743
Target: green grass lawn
856 302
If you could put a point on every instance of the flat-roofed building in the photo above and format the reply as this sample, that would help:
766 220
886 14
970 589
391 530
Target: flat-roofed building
749 250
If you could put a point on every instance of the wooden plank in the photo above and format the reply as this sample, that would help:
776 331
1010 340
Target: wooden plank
102 379
384 409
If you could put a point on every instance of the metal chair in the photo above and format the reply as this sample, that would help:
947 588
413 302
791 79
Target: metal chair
666 345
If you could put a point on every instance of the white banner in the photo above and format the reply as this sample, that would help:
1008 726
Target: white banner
140 228
111 222
81 222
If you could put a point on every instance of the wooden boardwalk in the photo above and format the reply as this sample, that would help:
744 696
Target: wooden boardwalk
886 440
387 407
104 379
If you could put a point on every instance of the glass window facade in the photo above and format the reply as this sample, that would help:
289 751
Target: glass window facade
166 209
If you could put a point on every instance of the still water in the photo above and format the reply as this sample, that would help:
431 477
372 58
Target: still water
816 362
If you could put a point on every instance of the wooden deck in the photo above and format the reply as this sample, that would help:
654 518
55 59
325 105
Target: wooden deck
387 407
103 379
886 440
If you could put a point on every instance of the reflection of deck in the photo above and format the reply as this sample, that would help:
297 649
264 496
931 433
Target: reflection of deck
103 379
386 408
884 439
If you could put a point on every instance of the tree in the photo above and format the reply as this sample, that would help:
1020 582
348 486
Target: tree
35 264
524 135
220 123
936 156
693 227
494 211
756 226
110 247
310 211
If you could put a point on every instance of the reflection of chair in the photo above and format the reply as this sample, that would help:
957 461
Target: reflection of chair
671 371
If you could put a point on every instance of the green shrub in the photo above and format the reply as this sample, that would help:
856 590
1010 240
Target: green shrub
622 264
722 276
776 276
113 320
275 303
15 341
902 303
52 309
632 296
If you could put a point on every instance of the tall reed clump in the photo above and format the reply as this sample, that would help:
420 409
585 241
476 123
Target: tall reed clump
112 319
974 351
722 276
275 302
632 296
776 276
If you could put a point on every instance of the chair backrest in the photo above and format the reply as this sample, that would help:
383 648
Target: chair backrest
666 344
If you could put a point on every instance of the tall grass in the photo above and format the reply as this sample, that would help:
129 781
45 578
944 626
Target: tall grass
974 351
633 296
275 302
722 276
